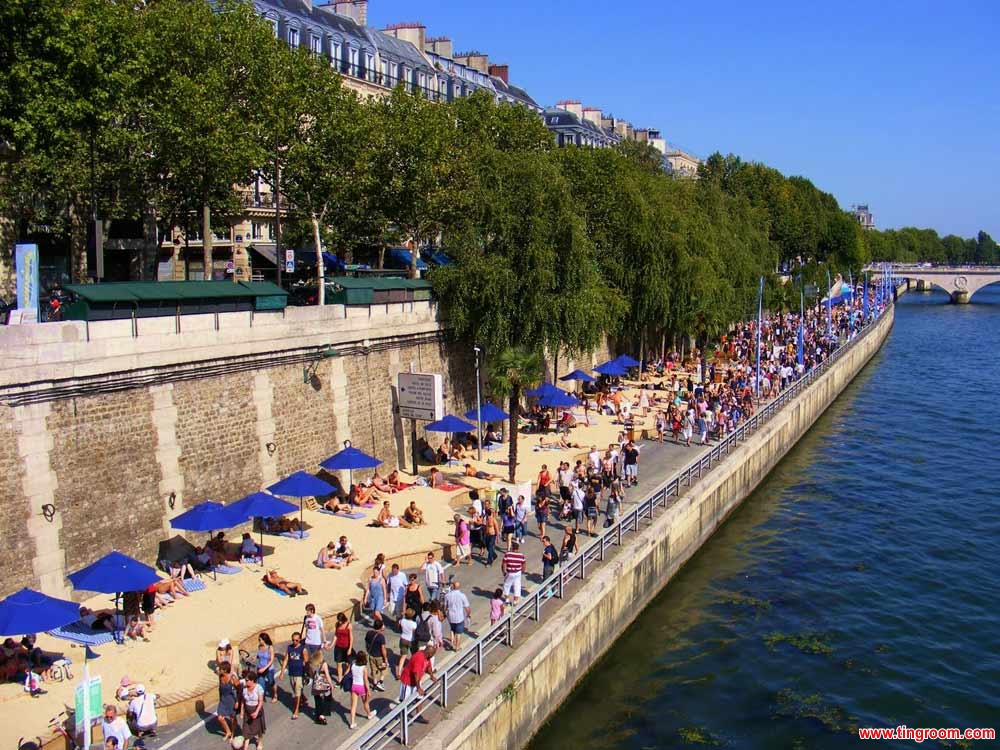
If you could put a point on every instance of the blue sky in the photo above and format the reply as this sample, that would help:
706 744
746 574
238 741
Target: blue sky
891 103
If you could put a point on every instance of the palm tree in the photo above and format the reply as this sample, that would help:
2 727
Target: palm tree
511 372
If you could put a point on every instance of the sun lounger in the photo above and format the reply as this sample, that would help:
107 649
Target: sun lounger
193 584
355 516
295 534
77 632
228 569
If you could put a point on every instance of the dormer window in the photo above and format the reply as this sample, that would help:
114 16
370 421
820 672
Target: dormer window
336 55
293 38
352 61
370 66
384 69
316 44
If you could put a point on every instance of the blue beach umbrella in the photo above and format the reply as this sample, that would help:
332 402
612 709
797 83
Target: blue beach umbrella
613 368
261 505
300 485
579 375
30 611
541 390
113 573
450 423
627 360
349 459
558 399
488 413
207 516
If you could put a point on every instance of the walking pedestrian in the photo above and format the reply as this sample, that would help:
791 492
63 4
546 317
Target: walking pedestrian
413 596
225 712
590 509
407 624
433 573
375 595
550 558
541 510
378 655
463 541
322 686
254 725
631 454
343 645
512 565
397 590
520 518
296 658
413 669
265 666
509 525
312 627
497 606
491 530
579 496
457 608
360 687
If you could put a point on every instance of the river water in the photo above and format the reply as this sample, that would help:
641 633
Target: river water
857 587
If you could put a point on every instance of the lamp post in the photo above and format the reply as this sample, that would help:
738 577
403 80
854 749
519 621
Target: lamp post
479 408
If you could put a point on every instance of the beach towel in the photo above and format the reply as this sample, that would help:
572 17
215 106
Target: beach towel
450 487
499 462
77 632
193 584
275 589
295 534
326 512
228 569
404 486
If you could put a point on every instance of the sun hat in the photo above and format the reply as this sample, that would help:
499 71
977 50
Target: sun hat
224 643
140 689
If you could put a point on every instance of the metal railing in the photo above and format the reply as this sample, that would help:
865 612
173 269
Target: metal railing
395 725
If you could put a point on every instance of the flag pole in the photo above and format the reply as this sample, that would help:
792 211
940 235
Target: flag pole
760 323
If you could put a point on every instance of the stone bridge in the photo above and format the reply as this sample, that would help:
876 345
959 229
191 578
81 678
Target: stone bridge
961 282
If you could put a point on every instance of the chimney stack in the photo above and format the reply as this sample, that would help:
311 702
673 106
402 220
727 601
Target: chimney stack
592 114
501 72
413 32
572 106
475 60
356 9
439 45
622 128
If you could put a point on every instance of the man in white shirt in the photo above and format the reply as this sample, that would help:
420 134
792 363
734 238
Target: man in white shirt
457 609
594 458
142 711
397 589
115 726
433 573
579 495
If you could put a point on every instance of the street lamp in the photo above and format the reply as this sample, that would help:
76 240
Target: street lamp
479 408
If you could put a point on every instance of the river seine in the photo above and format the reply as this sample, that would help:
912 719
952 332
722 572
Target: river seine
857 587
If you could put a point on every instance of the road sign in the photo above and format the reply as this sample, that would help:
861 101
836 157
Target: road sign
289 256
421 396
289 266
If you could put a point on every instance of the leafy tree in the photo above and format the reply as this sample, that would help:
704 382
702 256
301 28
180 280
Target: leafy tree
511 372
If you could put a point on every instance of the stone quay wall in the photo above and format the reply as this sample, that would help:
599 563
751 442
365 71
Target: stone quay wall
109 429
509 705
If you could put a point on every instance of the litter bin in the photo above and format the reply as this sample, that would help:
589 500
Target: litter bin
630 431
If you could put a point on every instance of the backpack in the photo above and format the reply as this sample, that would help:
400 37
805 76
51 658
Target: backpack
422 633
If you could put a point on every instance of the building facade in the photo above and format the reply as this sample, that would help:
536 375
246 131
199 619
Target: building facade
863 216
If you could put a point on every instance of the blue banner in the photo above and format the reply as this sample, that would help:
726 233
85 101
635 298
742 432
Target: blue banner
26 267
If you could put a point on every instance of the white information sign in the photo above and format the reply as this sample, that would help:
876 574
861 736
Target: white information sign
421 396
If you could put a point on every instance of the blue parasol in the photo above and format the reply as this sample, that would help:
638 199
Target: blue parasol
349 459
300 485
30 611
207 516
489 413
579 375
261 505
558 399
627 360
614 368
450 423
113 573
541 390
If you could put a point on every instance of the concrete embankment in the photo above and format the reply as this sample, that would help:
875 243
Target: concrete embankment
507 707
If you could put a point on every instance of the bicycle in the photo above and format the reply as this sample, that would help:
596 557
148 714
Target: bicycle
57 724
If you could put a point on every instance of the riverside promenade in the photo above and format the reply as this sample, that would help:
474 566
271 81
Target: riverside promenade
677 505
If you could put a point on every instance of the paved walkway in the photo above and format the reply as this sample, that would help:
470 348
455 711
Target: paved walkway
658 463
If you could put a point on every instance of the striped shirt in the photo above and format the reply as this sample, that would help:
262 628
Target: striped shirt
513 562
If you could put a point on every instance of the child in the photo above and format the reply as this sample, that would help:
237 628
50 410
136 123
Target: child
497 607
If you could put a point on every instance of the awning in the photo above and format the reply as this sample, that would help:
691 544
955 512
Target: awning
438 257
268 250
403 257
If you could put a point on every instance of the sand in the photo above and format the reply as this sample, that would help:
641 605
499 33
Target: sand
177 660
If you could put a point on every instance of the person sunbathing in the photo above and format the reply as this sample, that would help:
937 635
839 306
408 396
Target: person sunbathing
248 547
102 619
328 558
281 525
458 452
208 557
363 495
335 506
548 445
180 569
564 443
388 521
470 471
271 578
346 551
393 481
413 515
381 484
436 478
170 586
